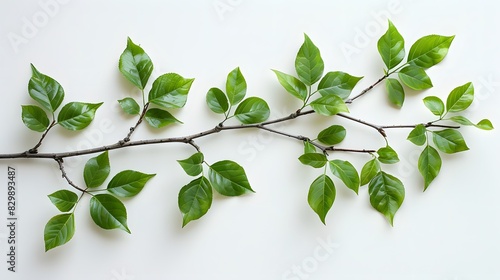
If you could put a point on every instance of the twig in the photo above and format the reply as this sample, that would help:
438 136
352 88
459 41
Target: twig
65 176
139 121
34 150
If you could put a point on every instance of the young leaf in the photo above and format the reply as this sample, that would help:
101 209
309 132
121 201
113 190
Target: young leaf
170 91
252 110
229 178
387 155
64 200
321 196
415 77
195 199
329 105
418 135
346 172
337 83
396 92
449 141
108 212
129 106
159 118
369 170
484 124
460 98
309 147
59 230
135 65
315 160
45 90
236 86
292 85
77 115
96 170
386 194
429 50
193 164
308 63
35 118
128 183
217 101
391 47
435 105
332 135
429 164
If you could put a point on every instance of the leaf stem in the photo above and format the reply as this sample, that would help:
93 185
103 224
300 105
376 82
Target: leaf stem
34 150
139 121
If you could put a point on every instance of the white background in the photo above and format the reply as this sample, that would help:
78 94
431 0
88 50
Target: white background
450 232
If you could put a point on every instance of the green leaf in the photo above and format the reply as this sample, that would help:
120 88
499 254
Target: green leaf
449 141
460 98
217 101
396 92
77 115
96 170
64 200
387 155
429 164
315 160
159 118
292 85
129 106
321 196
332 135
135 65
35 118
195 199
369 170
170 91
309 147
415 77
337 83
236 86
58 231
435 105
308 63
386 194
484 124
329 105
429 50
108 212
128 183
193 164
346 172
418 135
252 110
391 47
45 90
229 178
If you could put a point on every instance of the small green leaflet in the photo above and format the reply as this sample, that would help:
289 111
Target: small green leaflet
195 199
429 50
386 194
329 105
460 98
292 85
252 110
45 90
96 170
429 165
192 165
415 77
332 135
484 124
77 115
217 101
35 118
58 231
387 155
108 212
159 118
308 63
128 183
309 147
449 141
315 160
391 47
321 196
369 170
170 91
337 83
418 135
435 105
129 106
135 65
346 172
236 86
229 178
64 200
396 92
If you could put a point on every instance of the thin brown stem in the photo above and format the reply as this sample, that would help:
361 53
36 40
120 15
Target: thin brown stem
65 176
365 91
139 121
34 150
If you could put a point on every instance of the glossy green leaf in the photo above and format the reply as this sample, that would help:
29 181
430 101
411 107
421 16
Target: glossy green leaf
35 118
59 230
128 183
429 50
45 90
193 164
252 110
195 199
217 101
391 47
369 170
485 124
236 86
96 170
77 115
329 105
418 135
321 196
129 106
386 194
159 118
387 155
309 147
346 172
64 200
108 212
396 92
308 63
229 178
449 141
435 105
337 83
135 65
429 165
315 160
170 91
415 77
460 98
332 135
292 85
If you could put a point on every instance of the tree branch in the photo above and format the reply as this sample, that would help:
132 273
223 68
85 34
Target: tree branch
65 176
34 150
139 121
